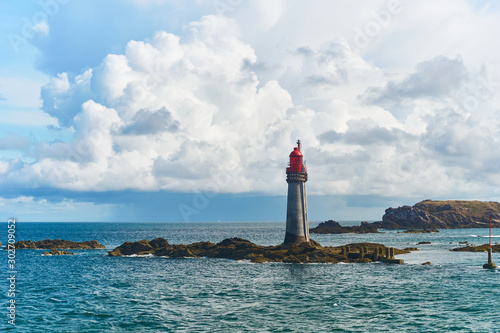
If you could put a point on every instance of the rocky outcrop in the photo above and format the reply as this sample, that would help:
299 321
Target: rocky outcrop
58 244
239 249
479 248
332 227
55 252
430 214
418 231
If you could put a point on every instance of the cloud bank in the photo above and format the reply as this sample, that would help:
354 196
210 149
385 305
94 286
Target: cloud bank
198 113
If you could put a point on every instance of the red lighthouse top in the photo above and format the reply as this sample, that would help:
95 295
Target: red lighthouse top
297 163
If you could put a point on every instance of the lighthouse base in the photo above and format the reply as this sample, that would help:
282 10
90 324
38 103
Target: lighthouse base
294 239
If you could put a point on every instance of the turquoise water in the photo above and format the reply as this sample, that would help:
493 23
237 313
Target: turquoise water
91 292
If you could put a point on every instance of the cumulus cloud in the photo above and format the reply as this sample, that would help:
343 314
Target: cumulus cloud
163 110
63 97
151 122
365 132
433 79
177 114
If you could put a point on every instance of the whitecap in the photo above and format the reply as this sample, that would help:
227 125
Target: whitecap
149 255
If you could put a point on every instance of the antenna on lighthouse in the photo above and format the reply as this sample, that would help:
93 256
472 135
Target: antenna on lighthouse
298 144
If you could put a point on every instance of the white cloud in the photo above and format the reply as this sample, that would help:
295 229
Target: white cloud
42 28
32 209
174 112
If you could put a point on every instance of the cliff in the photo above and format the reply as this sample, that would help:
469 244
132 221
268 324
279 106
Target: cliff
332 227
452 214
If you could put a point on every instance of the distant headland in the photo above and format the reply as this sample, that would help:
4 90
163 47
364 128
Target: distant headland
450 214
425 217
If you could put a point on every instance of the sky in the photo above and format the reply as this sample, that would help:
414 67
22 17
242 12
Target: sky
186 111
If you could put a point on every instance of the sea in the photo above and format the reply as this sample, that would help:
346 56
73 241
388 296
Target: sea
92 292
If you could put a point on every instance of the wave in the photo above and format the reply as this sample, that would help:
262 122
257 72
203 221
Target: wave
149 255
492 236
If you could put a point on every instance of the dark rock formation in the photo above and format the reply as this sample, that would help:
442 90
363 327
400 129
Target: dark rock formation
418 231
426 263
479 248
332 227
55 252
238 249
430 214
423 243
58 244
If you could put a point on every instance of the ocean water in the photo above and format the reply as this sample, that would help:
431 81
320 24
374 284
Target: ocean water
91 292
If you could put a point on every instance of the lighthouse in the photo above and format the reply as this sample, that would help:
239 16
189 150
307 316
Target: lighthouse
297 223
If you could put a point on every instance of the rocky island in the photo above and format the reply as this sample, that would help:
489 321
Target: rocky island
451 214
242 249
479 248
50 244
332 227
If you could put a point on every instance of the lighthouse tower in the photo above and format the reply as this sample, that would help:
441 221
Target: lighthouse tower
297 223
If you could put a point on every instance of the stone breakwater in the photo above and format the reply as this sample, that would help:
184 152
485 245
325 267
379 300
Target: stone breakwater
50 244
242 249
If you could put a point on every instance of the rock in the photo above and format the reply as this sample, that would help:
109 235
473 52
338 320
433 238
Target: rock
158 243
423 243
426 263
182 252
479 248
140 248
418 231
58 244
55 252
242 249
453 214
332 227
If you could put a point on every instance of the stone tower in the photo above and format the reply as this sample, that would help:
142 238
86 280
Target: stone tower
297 223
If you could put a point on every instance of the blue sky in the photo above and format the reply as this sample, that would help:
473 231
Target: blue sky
186 111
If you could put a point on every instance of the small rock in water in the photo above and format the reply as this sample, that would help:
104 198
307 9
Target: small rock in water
423 243
426 263
55 252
